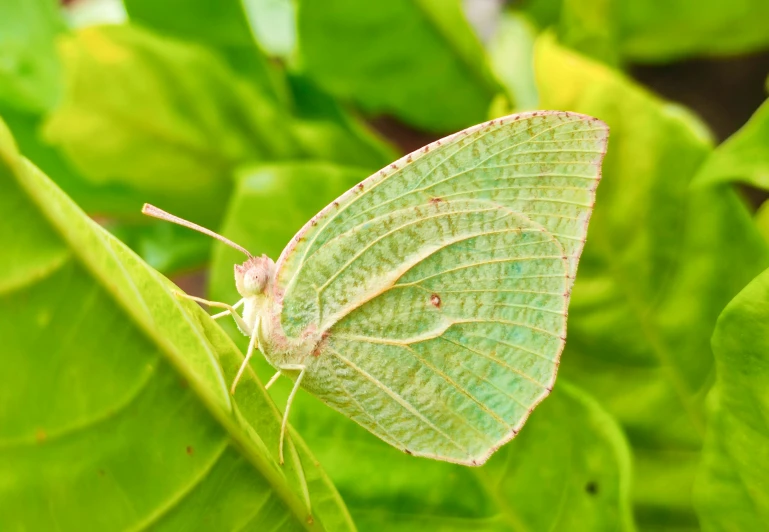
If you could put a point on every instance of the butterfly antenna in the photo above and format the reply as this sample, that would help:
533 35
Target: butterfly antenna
151 210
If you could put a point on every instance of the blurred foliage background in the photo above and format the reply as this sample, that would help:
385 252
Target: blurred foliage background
248 116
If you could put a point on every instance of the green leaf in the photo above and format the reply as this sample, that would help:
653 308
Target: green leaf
511 51
742 157
335 134
658 31
274 25
114 409
761 218
414 59
221 25
591 29
165 118
29 67
660 263
733 488
109 198
218 22
666 30
30 85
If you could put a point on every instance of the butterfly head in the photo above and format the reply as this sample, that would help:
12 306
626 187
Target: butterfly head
255 276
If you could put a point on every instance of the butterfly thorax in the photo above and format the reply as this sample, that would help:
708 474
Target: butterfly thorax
255 281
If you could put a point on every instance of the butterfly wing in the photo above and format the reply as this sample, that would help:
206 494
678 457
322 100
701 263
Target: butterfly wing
442 283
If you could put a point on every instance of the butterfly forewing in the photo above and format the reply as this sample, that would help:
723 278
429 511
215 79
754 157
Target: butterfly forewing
442 283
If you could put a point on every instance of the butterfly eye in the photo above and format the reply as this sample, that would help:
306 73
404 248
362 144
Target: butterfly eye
255 280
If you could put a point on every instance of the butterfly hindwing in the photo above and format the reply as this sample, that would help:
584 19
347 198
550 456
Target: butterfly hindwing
442 283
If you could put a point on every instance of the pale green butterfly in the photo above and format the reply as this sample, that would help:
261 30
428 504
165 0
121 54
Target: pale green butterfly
428 303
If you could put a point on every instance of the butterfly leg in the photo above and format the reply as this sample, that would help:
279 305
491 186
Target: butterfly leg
244 328
227 312
272 381
249 353
301 369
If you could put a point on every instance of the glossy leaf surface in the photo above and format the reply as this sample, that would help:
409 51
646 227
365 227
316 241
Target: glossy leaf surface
732 490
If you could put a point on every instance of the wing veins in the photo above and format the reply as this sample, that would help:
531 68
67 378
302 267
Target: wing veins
493 261
390 232
511 165
385 178
464 392
513 305
514 346
498 290
503 392
471 143
500 362
414 188
398 398
334 319
509 322
365 411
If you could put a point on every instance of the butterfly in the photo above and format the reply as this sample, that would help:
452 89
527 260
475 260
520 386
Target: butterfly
428 303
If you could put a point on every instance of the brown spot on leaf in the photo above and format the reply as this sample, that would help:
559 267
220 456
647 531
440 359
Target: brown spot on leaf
190 450
435 200
435 300
40 436
407 452
591 487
